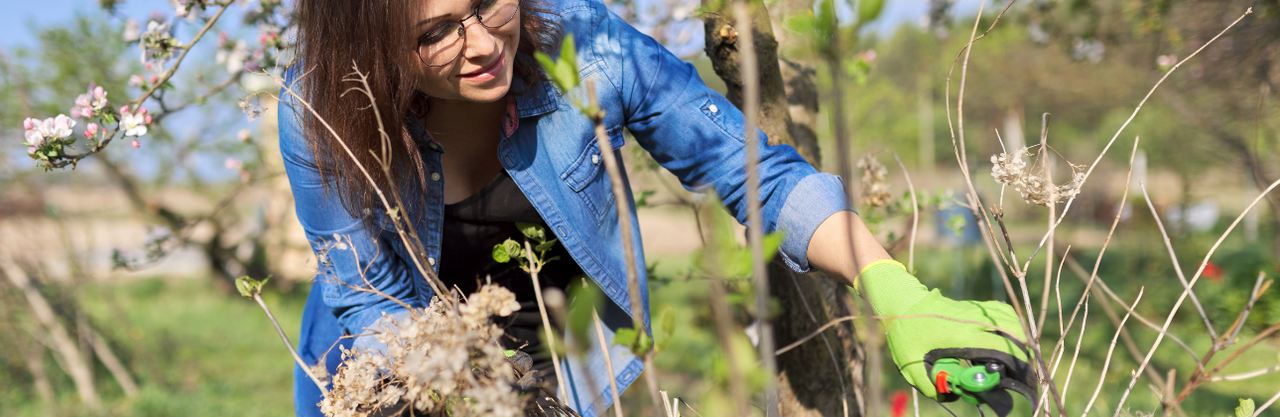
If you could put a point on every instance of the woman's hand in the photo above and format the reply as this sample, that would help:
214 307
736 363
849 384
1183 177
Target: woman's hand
919 321
916 319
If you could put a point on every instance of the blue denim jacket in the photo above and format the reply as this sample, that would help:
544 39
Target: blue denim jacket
553 156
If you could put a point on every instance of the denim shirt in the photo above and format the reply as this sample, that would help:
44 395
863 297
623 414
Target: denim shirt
553 157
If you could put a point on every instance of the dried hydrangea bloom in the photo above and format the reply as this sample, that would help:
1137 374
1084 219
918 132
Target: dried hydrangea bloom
875 187
1011 170
438 360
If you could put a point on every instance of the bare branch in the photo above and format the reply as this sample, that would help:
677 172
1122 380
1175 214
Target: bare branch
1183 297
915 214
1063 215
257 296
1258 288
608 361
755 223
839 320
1245 375
534 268
1102 376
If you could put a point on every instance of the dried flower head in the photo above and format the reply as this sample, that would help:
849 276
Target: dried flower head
875 188
438 360
1011 169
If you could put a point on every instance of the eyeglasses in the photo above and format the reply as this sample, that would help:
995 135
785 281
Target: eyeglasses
443 43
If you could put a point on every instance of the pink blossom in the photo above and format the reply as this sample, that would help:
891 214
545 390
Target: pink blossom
135 144
29 123
136 80
233 163
91 130
60 127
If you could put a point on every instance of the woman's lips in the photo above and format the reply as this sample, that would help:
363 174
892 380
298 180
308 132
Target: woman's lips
490 72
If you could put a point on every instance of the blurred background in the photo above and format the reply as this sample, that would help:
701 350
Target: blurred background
133 253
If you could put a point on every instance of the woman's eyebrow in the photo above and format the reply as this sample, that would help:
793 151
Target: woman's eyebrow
430 19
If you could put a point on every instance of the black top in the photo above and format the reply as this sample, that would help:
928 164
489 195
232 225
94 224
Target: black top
471 228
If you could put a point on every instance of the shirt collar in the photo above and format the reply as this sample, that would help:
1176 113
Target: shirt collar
535 98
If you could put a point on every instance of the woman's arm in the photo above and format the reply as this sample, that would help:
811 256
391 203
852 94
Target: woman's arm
842 246
347 254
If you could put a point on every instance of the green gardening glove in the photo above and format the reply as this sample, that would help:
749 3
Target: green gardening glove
893 292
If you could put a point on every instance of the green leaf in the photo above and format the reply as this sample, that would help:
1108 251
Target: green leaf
956 223
565 76
642 200
803 23
643 344
583 300
500 254
771 243
533 231
1246 408
249 286
869 10
513 249
638 341
545 246
548 65
625 337
569 58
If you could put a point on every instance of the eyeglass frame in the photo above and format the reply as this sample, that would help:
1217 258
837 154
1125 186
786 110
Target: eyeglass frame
462 24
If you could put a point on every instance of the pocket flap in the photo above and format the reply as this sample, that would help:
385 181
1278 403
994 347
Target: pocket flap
590 162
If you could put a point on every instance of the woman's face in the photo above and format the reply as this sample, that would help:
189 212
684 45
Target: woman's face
473 61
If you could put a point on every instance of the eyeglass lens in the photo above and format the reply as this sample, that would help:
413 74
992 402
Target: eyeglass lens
442 43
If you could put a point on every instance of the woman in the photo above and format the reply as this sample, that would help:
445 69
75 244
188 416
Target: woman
480 140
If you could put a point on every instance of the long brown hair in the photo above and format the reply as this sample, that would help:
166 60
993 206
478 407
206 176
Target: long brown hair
335 34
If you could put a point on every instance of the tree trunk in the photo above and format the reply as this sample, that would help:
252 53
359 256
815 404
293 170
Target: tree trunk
799 79
73 359
34 356
815 379
113 364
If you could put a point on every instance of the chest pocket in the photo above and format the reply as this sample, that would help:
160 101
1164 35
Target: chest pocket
589 179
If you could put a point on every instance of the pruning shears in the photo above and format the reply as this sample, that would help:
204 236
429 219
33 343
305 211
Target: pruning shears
981 376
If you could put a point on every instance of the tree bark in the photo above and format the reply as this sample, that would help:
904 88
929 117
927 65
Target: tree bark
799 79
815 379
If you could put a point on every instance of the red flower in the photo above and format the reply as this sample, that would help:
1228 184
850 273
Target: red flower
898 404
1212 271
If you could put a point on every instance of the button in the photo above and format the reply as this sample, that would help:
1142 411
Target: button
433 145
595 159
431 261
714 109
435 176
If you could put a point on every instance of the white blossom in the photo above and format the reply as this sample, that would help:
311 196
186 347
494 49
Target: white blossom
131 30
134 124
233 55
157 42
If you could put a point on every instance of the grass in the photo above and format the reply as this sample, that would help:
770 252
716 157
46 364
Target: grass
194 350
